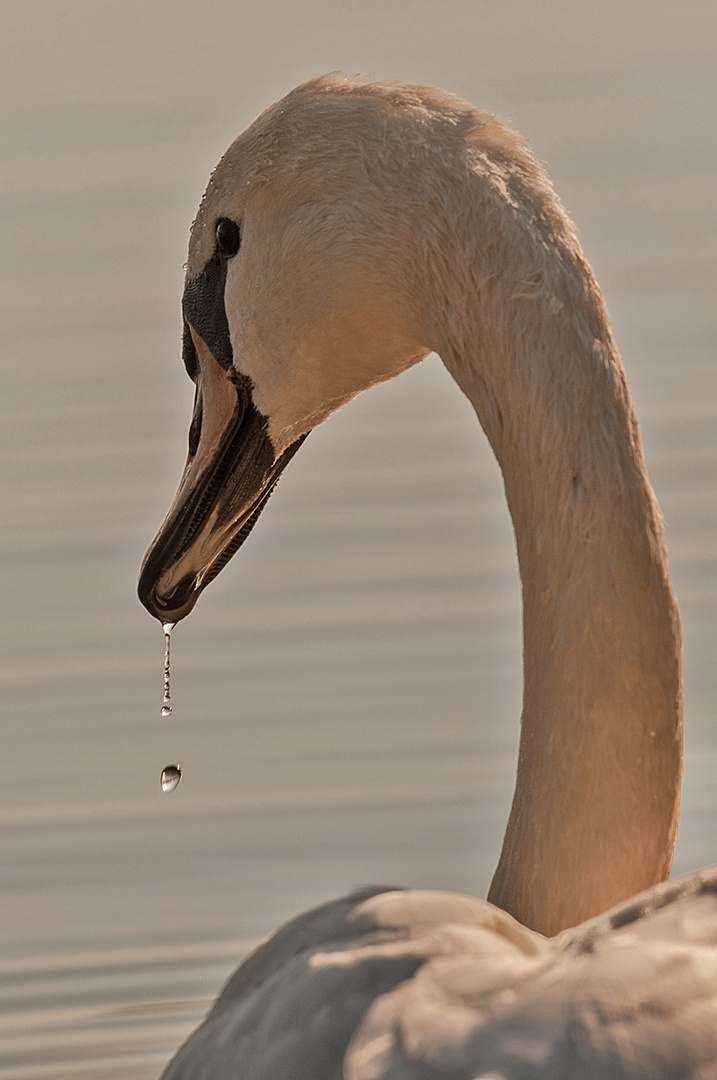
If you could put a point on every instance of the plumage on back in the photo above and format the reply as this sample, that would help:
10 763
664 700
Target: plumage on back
412 985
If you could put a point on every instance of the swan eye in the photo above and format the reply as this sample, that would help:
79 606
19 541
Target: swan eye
228 236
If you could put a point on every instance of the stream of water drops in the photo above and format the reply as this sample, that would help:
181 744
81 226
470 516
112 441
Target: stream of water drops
166 700
171 774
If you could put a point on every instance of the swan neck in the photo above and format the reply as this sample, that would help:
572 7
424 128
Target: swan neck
595 809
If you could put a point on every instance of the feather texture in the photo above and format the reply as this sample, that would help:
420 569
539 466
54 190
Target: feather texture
409 985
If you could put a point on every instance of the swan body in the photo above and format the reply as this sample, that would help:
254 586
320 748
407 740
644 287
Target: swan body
351 230
412 985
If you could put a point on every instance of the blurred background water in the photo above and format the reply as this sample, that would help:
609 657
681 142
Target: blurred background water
347 694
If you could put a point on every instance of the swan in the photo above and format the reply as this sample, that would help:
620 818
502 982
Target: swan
354 228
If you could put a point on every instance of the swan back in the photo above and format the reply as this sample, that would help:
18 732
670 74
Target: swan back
427 986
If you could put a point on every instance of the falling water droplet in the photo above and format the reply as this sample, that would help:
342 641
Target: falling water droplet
170 777
166 701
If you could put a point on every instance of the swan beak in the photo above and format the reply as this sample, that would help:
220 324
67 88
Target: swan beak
230 472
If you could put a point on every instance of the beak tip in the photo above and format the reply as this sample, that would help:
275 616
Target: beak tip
172 606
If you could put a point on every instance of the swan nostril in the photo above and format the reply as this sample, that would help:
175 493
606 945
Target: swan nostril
195 428
195 432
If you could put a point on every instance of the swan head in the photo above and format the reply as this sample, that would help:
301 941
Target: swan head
305 284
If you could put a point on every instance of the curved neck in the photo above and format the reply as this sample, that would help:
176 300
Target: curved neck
595 810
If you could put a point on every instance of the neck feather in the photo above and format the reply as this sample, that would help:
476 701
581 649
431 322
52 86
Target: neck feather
595 810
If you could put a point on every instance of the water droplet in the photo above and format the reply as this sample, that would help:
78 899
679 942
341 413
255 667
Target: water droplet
170 777
166 701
